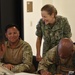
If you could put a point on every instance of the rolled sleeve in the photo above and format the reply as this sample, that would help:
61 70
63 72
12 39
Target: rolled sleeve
47 60
38 29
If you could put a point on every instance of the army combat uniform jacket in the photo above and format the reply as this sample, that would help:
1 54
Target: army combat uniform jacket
20 57
51 62
52 33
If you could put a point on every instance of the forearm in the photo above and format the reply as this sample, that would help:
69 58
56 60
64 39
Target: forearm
21 68
38 45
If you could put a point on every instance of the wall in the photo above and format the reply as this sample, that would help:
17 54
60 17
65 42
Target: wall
30 21
47 2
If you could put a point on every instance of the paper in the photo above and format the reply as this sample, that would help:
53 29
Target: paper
23 73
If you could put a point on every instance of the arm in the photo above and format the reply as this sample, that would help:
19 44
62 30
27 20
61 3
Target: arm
47 61
2 50
39 40
26 61
38 46
67 29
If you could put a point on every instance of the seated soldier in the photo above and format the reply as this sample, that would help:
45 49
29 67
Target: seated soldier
59 60
18 54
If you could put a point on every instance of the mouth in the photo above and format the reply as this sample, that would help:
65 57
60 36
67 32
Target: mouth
46 22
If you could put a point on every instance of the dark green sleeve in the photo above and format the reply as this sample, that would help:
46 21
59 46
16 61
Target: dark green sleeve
47 60
38 29
67 29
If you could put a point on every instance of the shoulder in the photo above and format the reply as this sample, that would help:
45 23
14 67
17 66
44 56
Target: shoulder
40 22
26 47
52 52
24 44
61 18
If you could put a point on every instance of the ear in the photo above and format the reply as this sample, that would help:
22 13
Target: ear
52 15
19 33
73 48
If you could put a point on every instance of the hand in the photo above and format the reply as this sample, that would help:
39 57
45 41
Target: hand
8 66
38 58
2 50
44 72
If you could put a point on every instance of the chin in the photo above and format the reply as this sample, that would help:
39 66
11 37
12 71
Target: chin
13 41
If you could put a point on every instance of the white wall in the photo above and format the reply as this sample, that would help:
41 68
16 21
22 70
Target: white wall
30 21
47 2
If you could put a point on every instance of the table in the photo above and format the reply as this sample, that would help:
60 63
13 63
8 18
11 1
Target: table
5 71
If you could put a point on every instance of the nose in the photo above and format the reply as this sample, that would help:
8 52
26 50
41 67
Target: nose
12 34
43 18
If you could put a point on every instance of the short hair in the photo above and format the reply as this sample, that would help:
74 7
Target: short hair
10 25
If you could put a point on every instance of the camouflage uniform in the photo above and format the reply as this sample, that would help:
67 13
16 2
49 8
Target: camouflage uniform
21 56
52 33
62 66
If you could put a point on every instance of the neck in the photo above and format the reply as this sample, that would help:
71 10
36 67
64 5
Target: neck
13 44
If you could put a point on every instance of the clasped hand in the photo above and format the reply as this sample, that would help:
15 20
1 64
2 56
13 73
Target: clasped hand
44 72
9 66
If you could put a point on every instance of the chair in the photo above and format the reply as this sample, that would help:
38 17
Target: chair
35 63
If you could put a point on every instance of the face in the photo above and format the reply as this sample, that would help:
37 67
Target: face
46 17
12 34
64 52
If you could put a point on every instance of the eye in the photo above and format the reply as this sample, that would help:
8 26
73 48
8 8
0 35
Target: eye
15 32
9 33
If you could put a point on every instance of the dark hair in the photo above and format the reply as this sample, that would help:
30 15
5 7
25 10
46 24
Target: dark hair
10 25
50 9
